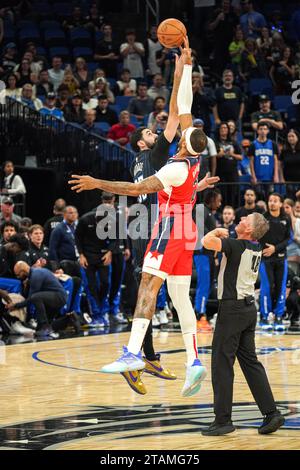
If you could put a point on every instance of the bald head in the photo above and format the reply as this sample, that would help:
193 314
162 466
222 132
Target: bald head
21 270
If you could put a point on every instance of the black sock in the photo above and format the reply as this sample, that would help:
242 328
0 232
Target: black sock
148 344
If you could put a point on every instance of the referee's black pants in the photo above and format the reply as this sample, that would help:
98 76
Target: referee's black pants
235 337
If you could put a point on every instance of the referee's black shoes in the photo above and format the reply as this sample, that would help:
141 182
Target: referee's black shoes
271 423
216 429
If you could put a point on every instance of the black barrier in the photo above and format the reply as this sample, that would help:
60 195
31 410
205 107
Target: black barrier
59 145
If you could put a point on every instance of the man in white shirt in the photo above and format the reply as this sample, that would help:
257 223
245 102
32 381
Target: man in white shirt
56 74
132 53
11 184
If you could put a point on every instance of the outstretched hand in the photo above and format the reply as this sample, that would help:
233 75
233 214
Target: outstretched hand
186 52
82 183
207 182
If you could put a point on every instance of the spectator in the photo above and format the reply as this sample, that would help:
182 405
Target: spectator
229 100
102 88
9 253
121 132
293 248
132 53
81 73
223 24
262 205
267 115
11 90
165 60
23 72
253 64
244 164
94 19
7 211
142 104
56 73
38 253
126 86
203 102
273 268
7 229
227 157
290 161
159 106
228 217
74 112
70 81
104 113
99 73
8 61
89 121
160 122
236 48
264 42
283 72
45 293
95 257
158 88
50 224
35 67
107 52
152 46
263 155
11 184
250 206
233 130
44 86
276 49
209 155
62 247
63 94
251 21
50 109
197 70
87 101
77 19
38 62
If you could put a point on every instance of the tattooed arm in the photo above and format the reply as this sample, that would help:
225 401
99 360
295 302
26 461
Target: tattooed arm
87 183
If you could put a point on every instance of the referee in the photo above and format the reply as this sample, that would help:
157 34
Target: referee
235 328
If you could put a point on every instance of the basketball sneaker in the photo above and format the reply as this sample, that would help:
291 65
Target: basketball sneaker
203 325
265 325
135 382
155 368
278 325
155 320
119 318
128 362
163 317
97 322
194 376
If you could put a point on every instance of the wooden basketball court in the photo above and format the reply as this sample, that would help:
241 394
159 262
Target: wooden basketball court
52 396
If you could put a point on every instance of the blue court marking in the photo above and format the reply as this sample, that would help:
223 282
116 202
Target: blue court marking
36 357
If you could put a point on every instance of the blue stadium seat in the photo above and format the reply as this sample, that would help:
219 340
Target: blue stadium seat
63 10
112 82
54 37
134 121
26 24
50 24
123 101
116 108
62 52
259 86
9 33
80 37
102 126
29 34
92 66
41 51
98 36
282 102
85 52
292 114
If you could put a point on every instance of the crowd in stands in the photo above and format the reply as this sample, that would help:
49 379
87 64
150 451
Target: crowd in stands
79 71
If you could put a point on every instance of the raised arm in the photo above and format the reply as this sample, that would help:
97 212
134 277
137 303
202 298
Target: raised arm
185 92
212 240
87 183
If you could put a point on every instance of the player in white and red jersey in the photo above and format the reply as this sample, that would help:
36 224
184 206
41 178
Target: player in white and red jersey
170 250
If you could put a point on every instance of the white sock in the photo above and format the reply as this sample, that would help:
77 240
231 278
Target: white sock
178 287
137 335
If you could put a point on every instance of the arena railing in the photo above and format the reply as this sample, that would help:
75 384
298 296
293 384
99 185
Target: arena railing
60 145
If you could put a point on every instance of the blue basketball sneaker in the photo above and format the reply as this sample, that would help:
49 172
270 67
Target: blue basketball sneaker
278 325
194 376
265 324
126 363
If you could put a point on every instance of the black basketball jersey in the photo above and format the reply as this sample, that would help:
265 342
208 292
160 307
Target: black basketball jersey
146 164
239 269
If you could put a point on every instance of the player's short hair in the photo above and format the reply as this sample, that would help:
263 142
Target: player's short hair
20 240
263 124
229 208
8 224
260 226
198 140
135 137
277 195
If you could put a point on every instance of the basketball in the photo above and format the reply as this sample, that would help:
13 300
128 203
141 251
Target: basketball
171 33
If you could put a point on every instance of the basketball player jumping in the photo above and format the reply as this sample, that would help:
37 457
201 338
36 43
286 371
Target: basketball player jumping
166 258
